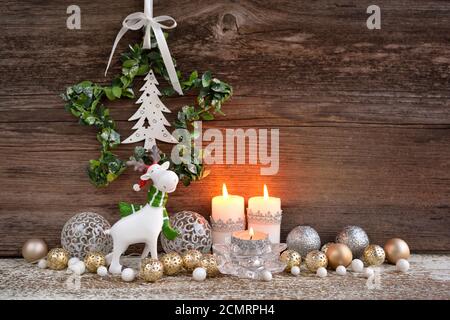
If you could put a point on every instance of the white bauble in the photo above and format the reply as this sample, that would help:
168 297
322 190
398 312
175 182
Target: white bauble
78 268
72 261
321 272
102 271
341 270
199 274
368 272
42 264
295 270
128 274
402 265
266 275
357 265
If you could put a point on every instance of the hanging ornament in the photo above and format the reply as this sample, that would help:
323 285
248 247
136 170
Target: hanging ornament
325 247
57 259
291 258
209 263
151 270
373 255
94 260
85 232
395 250
172 262
316 259
191 259
34 249
355 238
303 239
338 254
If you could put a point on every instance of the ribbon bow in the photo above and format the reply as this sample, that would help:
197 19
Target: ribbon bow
136 21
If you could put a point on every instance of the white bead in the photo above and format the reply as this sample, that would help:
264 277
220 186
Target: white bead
199 274
341 270
42 264
402 265
128 274
266 275
368 272
102 271
321 272
72 261
357 265
295 270
78 268
136 187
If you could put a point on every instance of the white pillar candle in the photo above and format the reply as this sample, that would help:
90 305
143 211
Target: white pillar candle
264 214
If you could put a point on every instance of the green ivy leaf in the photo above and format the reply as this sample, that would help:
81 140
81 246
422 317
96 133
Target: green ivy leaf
117 91
206 79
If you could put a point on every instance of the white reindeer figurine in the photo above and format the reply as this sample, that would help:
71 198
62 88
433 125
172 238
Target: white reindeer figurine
144 226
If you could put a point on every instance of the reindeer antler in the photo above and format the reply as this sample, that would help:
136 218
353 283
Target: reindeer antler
154 154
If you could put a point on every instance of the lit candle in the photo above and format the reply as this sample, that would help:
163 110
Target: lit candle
250 241
228 215
264 214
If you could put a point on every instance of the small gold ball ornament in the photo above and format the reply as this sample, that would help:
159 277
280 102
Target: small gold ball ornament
57 259
316 259
34 249
396 249
94 260
172 262
373 255
326 246
338 254
191 259
209 263
291 258
151 270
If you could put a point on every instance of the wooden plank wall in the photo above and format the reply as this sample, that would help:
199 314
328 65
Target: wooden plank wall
364 116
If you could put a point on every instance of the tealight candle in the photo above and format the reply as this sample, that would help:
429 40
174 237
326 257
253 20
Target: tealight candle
264 214
249 241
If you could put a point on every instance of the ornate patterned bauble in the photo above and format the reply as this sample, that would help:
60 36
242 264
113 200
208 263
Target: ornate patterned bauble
339 254
34 249
209 263
373 255
172 263
195 233
316 259
93 260
191 259
57 259
303 239
291 258
85 232
151 270
326 246
355 238
395 250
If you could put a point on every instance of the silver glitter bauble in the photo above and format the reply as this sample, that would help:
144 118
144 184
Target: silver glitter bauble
355 238
195 233
303 239
85 232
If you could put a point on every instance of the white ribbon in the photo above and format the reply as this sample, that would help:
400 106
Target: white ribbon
136 21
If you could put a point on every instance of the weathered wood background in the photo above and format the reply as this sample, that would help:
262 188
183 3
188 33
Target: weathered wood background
364 116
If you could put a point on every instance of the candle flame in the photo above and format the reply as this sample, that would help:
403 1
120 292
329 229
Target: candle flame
224 191
266 193
251 232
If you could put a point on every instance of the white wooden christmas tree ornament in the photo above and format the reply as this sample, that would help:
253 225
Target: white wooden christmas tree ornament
151 122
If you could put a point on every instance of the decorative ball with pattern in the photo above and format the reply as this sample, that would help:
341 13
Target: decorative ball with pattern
34 249
151 270
303 239
291 258
339 254
191 259
355 238
172 262
396 249
316 259
93 260
57 259
209 263
373 255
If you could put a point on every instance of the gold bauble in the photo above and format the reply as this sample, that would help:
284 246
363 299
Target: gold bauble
191 259
57 259
209 263
34 250
93 260
316 259
338 254
151 270
172 263
396 249
325 247
373 255
291 258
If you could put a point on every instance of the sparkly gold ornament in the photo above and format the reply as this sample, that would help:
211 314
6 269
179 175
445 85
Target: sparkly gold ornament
373 255
172 263
94 260
34 249
395 250
291 258
57 259
209 263
191 259
338 254
316 259
151 270
326 246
